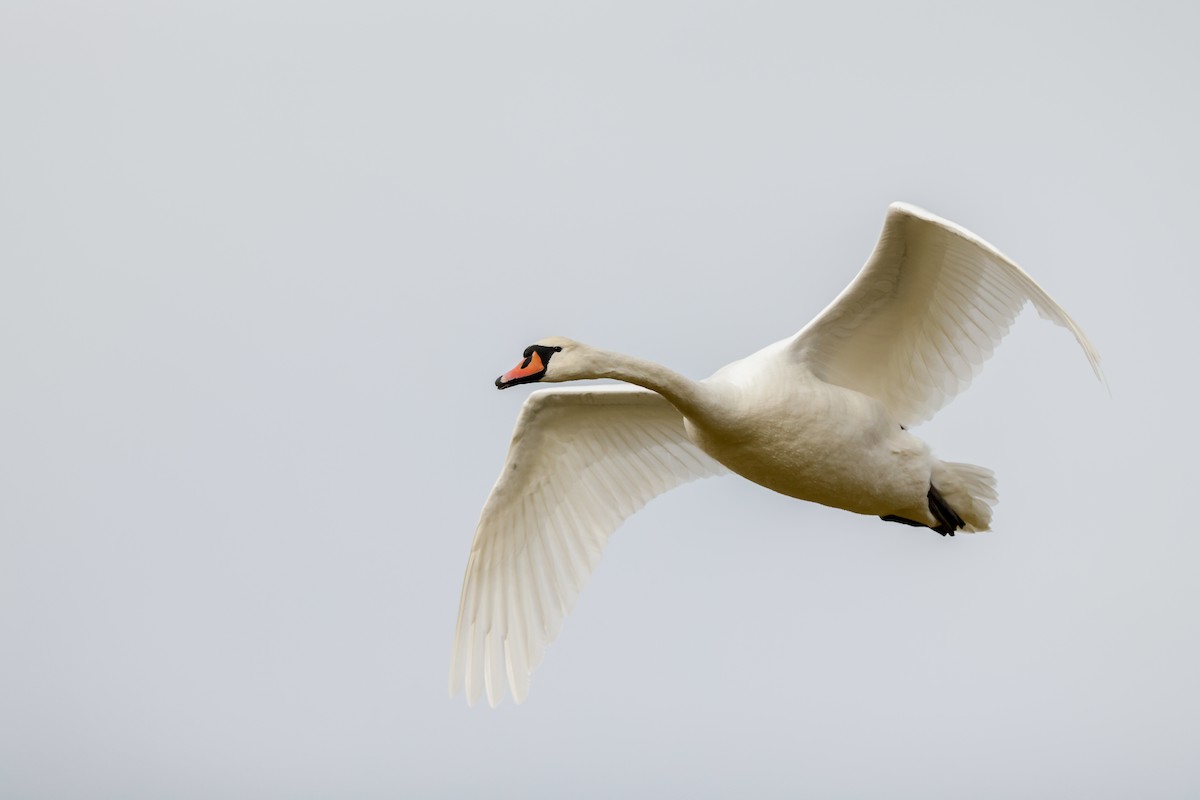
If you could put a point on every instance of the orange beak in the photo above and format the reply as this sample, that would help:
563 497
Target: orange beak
530 366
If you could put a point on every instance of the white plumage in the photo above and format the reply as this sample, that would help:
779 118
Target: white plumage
821 416
581 461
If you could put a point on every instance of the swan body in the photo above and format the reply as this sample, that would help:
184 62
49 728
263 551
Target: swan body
822 416
824 444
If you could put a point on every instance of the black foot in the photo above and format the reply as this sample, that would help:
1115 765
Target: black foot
903 521
948 520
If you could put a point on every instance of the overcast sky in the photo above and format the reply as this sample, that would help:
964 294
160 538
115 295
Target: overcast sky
260 263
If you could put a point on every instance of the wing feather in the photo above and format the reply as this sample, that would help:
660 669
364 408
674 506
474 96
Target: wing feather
924 314
580 462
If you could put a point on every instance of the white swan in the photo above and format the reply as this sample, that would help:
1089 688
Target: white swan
821 416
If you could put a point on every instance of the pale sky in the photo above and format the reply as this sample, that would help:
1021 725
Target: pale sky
261 262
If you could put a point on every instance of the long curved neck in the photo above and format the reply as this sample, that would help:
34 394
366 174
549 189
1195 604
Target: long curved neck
685 394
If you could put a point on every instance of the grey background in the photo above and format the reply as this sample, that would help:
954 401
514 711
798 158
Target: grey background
261 262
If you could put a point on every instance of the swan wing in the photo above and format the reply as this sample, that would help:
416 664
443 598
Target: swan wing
917 323
580 462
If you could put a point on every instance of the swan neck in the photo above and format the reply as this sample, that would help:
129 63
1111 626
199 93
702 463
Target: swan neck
683 393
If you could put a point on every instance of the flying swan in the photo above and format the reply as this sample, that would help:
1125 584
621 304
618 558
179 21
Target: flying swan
821 416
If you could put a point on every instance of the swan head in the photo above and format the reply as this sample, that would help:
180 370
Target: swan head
551 359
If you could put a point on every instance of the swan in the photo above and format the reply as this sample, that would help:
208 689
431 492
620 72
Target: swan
822 416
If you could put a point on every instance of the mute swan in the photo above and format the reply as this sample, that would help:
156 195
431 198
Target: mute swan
821 416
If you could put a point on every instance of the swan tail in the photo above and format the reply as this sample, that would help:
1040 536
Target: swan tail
961 496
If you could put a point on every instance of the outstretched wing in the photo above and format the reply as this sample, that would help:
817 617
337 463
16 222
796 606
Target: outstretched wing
917 323
580 462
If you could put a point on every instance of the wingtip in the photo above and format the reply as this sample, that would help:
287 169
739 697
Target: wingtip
1094 360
